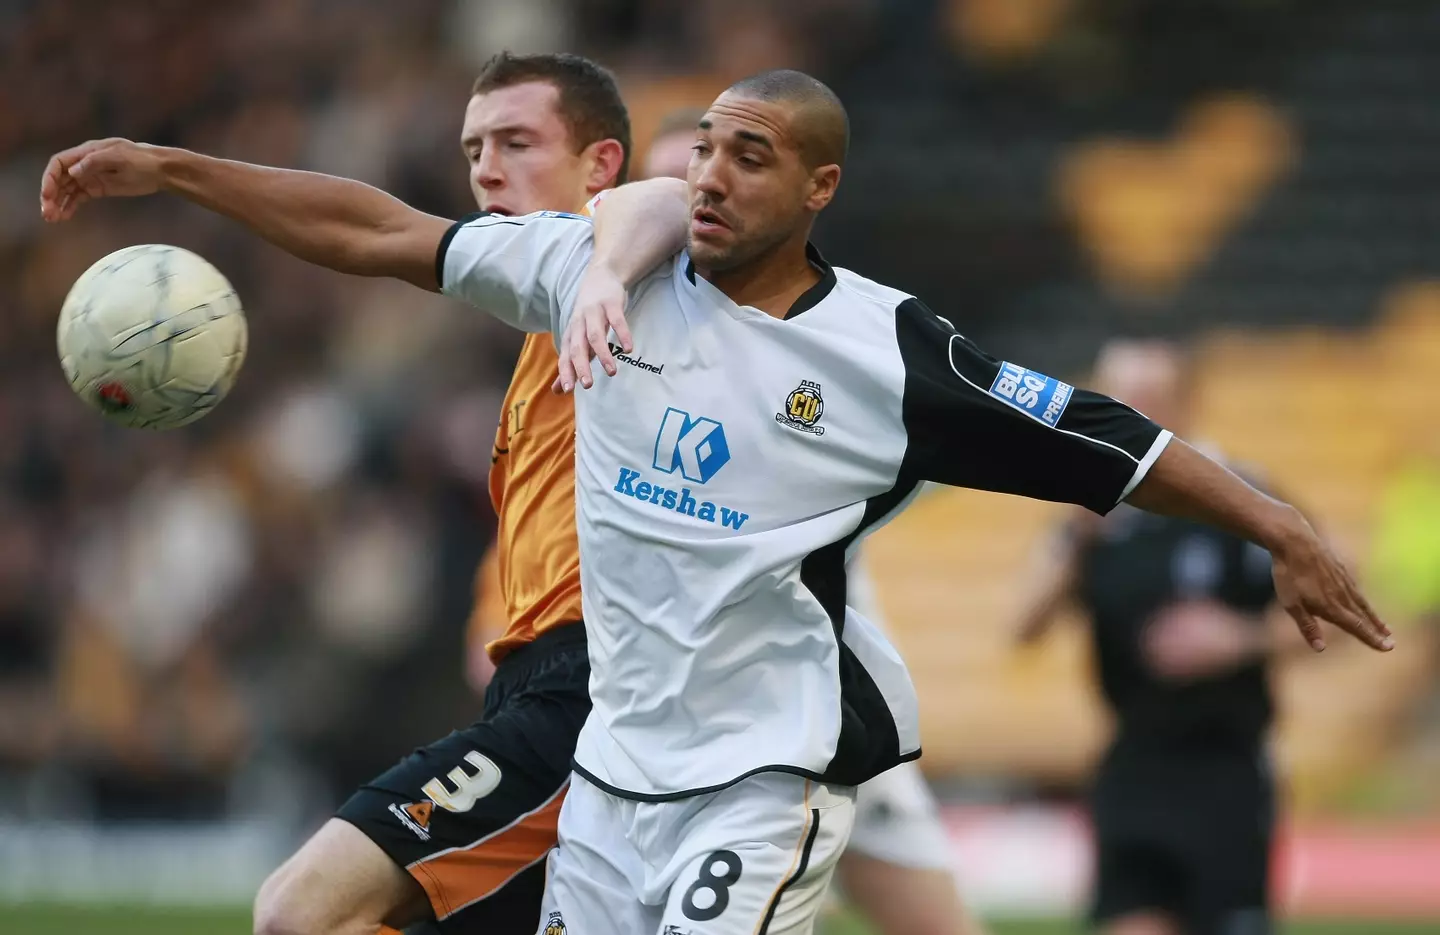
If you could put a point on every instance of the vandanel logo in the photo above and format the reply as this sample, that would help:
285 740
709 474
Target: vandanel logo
639 363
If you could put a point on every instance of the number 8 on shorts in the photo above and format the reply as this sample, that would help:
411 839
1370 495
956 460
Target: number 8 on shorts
752 859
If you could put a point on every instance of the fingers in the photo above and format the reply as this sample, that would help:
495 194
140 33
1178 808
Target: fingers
86 174
68 180
597 329
1309 627
580 354
57 190
564 380
1315 585
1363 605
615 317
1357 619
1347 609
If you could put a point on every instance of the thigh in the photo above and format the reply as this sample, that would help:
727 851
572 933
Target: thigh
594 875
1136 875
898 822
1139 816
472 817
339 878
1229 863
898 900
755 859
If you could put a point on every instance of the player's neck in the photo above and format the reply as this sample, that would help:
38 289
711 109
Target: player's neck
771 282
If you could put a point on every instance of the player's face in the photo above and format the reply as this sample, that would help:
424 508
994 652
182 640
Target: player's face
669 156
520 152
750 190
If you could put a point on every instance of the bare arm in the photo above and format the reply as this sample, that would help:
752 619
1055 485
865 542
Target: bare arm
637 227
1311 584
338 223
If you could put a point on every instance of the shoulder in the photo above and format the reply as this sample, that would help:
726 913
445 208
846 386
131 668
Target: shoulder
856 288
662 275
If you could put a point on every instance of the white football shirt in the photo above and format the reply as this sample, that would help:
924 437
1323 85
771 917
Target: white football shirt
728 470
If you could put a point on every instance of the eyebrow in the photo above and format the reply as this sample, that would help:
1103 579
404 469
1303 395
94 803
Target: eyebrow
467 141
750 136
759 139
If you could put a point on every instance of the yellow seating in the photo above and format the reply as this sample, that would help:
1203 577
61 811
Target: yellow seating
1323 417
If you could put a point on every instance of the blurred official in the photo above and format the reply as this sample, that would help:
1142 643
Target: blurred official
1184 802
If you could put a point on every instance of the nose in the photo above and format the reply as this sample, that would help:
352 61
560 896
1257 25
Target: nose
711 179
486 170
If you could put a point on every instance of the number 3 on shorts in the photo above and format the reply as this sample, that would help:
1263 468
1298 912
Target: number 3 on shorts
708 896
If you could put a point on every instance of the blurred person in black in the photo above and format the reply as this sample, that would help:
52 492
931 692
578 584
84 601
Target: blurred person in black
1184 801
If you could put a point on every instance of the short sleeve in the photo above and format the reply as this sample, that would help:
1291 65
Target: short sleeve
974 421
525 271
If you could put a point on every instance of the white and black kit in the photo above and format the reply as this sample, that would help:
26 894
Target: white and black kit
718 499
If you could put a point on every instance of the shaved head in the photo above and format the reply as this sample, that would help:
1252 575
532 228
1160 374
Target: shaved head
820 126
766 159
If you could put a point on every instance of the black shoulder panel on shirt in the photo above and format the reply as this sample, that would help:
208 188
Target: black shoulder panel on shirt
974 421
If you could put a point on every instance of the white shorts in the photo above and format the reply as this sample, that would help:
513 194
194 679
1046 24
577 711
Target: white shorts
897 821
753 859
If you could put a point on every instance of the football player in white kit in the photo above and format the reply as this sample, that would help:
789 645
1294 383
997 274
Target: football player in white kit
783 409
897 869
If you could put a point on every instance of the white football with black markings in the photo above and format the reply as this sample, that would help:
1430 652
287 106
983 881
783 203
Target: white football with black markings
152 336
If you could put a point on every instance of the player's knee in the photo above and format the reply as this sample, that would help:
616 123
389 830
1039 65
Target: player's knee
284 907
339 883
273 914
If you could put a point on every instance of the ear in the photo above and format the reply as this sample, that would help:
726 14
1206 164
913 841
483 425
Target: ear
606 158
823 182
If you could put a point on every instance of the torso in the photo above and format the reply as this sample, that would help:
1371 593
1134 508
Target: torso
1138 564
532 487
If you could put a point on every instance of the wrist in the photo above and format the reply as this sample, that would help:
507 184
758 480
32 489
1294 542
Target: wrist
173 167
1281 528
614 268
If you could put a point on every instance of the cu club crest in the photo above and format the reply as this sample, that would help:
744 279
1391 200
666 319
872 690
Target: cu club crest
803 409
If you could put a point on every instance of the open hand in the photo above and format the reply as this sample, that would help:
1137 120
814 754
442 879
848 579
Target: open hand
112 168
1312 584
599 308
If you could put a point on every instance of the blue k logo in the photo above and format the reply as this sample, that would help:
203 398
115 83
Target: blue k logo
695 446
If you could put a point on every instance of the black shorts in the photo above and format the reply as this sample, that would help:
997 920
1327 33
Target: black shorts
1186 833
473 816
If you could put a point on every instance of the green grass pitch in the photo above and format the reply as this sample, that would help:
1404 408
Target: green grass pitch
61 920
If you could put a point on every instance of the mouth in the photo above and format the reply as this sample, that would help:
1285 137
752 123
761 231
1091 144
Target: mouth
500 210
707 221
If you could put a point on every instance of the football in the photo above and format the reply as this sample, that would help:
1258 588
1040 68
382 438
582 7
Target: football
152 336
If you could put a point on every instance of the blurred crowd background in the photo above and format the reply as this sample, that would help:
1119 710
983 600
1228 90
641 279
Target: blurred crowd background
245 618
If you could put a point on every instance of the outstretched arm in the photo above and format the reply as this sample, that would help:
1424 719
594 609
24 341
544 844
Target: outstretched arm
338 223
974 421
1311 583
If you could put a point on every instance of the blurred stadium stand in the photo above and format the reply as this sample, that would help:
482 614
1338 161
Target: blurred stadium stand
201 627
